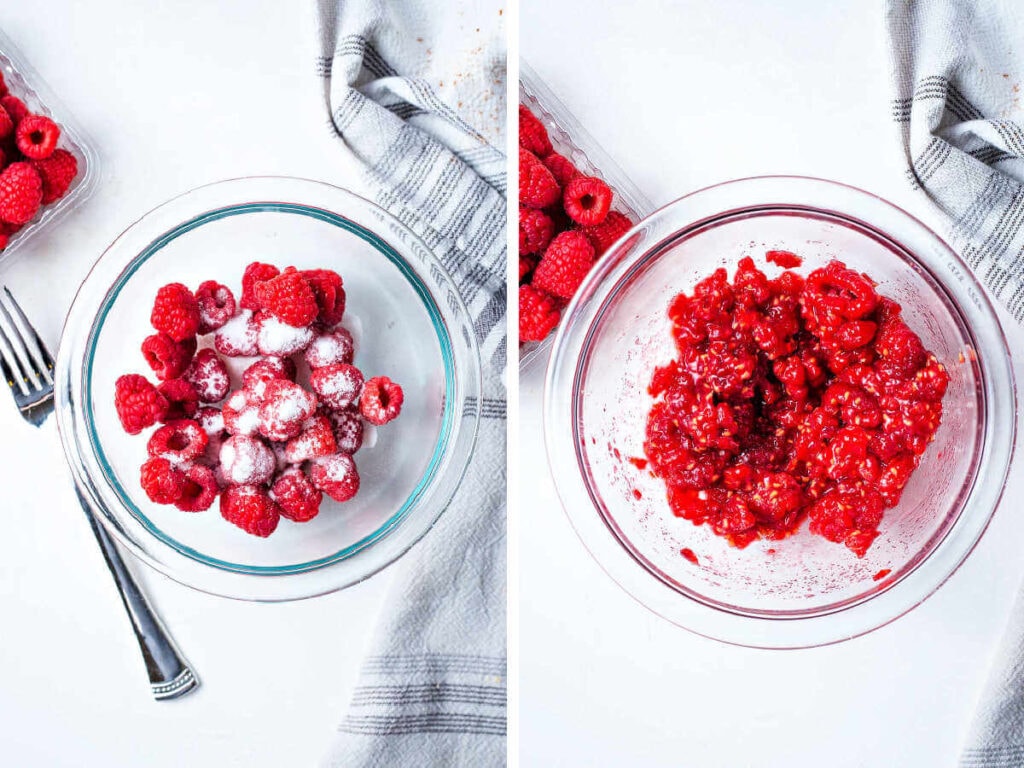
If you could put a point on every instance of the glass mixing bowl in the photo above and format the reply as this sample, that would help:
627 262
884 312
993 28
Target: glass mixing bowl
804 590
408 321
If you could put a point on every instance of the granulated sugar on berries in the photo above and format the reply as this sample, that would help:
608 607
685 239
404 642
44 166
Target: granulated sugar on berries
242 442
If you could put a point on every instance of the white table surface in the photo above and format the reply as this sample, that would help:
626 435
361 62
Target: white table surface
685 94
175 95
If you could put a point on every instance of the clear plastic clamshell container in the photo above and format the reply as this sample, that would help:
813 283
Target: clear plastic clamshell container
571 139
25 83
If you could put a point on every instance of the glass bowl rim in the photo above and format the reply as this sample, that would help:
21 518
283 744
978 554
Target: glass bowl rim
572 338
236 197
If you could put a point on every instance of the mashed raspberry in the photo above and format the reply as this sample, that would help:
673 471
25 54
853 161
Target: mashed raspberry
791 399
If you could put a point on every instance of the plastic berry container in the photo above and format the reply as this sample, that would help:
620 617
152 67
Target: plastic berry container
24 82
800 591
570 138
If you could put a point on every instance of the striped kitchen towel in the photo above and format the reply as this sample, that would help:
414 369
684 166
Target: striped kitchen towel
958 69
416 93
958 74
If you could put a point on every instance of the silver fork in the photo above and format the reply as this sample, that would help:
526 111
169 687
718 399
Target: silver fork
28 367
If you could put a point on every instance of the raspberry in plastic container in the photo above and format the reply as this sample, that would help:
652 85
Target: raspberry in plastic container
24 83
571 140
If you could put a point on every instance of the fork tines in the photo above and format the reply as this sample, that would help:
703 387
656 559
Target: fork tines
24 360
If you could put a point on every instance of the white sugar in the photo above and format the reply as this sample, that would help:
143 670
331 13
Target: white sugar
277 338
248 421
238 335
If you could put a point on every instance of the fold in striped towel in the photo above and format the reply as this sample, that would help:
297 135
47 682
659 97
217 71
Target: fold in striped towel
958 79
958 76
416 92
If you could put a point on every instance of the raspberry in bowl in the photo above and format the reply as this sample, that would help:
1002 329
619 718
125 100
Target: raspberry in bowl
268 388
784 542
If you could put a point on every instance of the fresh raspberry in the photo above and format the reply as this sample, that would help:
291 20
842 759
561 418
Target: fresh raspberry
316 440
21 193
532 133
561 168
603 235
335 475
162 481
537 187
241 414
348 429
256 377
254 274
251 509
337 385
276 338
168 358
587 200
238 336
289 297
4 90
535 230
175 312
216 304
381 400
285 408
37 136
336 346
200 489
330 295
182 399
139 404
208 374
178 441
564 265
246 460
14 107
538 314
295 495
6 124
57 172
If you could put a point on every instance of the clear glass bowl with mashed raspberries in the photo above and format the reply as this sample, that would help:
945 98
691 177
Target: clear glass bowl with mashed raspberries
400 313
780 460
48 166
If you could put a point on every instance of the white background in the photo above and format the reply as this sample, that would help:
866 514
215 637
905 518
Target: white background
682 95
175 95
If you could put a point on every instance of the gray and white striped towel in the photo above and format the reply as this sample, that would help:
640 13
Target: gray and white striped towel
958 69
958 75
416 93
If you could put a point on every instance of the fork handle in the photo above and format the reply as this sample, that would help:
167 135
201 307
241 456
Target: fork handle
169 675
